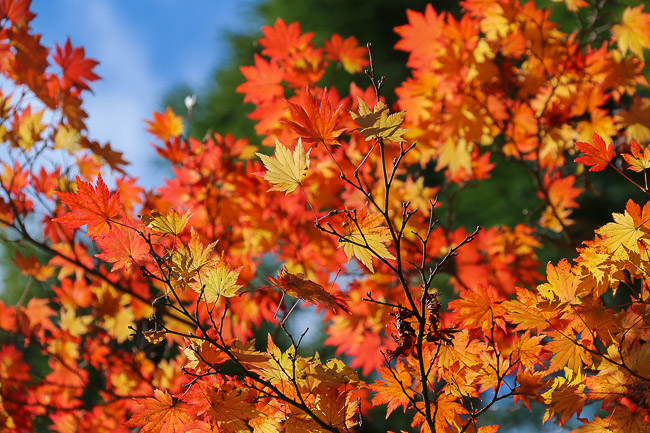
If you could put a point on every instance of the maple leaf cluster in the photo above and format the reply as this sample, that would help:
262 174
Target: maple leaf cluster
152 319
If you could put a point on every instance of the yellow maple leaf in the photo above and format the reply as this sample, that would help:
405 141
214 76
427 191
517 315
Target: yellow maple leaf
455 155
568 351
621 236
366 238
378 123
218 281
562 284
172 224
192 257
634 31
75 325
29 129
67 138
566 396
287 169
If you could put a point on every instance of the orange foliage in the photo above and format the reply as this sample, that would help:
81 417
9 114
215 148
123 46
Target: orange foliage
451 321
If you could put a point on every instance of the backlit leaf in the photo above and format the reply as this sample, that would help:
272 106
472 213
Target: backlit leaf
218 281
91 206
299 286
166 126
394 389
596 155
122 246
366 238
379 122
621 236
77 69
172 224
638 160
287 169
314 120
161 414
634 32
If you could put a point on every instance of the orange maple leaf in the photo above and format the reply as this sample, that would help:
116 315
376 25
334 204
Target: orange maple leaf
314 120
91 206
263 81
477 307
280 40
347 52
596 155
638 160
162 414
166 126
31 266
122 245
394 388
299 286
562 284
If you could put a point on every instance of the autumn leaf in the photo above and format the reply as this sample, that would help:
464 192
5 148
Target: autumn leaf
300 287
263 81
154 337
568 351
192 257
67 138
566 396
77 69
281 40
597 155
394 388
448 411
366 238
287 169
31 266
122 246
91 206
347 52
314 121
162 414
562 284
528 350
634 32
621 236
172 224
477 308
638 160
166 126
75 325
29 127
378 123
218 281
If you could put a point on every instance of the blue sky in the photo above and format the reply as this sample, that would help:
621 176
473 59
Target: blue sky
144 47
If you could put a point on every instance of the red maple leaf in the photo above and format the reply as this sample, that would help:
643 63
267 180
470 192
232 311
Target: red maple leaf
314 120
91 206
77 69
596 155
